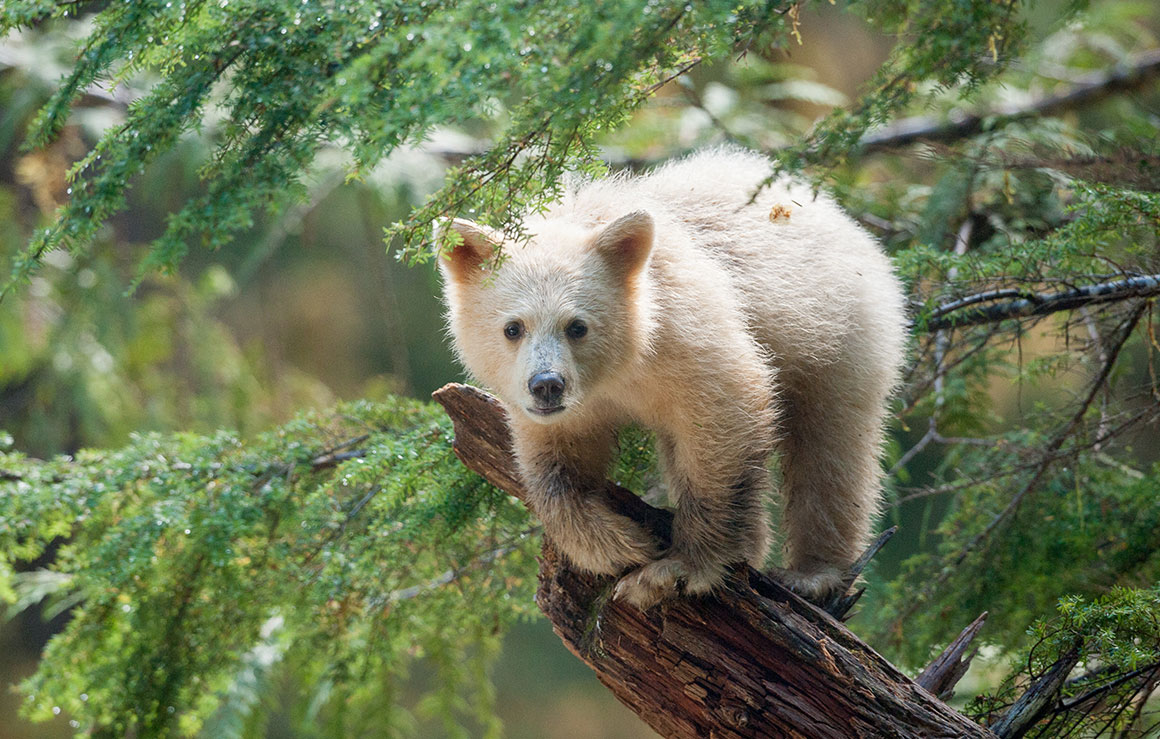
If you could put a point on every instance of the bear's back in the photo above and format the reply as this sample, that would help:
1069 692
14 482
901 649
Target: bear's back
812 283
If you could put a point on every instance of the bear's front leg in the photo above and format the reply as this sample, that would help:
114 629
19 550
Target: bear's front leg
564 474
719 490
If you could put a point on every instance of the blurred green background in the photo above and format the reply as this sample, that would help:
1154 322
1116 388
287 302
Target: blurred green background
309 307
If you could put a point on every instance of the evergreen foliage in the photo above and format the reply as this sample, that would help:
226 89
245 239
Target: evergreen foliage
345 546
289 77
1116 639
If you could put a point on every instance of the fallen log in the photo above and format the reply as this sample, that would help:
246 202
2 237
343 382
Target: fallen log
754 661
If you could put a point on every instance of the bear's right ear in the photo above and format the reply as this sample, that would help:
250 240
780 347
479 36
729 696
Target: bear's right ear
476 246
626 242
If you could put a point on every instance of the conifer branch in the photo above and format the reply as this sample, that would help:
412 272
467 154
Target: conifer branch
1050 454
1095 87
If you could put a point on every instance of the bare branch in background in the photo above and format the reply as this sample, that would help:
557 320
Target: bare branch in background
1097 86
954 313
1049 455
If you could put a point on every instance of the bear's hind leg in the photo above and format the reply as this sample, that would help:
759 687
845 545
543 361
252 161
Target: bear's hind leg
720 518
832 435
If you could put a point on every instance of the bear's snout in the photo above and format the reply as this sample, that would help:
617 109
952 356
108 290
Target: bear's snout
548 389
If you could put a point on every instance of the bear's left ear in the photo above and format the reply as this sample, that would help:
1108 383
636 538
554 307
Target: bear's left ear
626 242
477 245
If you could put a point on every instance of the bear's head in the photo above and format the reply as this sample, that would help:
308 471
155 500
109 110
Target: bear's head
563 314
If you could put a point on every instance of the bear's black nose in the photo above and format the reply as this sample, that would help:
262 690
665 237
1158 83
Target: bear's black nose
547 388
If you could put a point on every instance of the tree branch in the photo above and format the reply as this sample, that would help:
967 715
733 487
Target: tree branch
1095 87
755 661
1034 703
953 315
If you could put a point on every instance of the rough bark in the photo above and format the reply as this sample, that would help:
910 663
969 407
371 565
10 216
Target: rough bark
756 661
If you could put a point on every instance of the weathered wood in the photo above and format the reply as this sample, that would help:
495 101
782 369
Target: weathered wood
755 661
945 670
1036 700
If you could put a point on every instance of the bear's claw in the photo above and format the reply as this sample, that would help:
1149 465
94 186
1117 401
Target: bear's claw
646 586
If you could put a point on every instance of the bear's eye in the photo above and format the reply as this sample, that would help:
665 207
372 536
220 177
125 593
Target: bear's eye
576 329
513 330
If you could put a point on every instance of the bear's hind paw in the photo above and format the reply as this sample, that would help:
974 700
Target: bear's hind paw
817 587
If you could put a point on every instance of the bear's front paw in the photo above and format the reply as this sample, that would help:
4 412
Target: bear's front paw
656 581
608 547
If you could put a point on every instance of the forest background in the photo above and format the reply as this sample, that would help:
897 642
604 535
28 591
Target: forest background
302 308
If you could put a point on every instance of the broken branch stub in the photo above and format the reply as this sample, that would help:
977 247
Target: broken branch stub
945 670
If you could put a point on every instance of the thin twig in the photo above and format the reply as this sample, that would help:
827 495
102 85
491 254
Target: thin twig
1056 443
338 453
453 574
919 493
1072 703
1041 468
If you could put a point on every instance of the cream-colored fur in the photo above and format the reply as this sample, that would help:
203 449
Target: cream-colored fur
726 326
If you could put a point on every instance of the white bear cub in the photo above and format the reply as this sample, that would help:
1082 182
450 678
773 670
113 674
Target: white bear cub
729 326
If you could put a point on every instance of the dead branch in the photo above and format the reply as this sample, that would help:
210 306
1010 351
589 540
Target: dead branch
840 604
1033 704
1092 89
954 315
755 661
945 671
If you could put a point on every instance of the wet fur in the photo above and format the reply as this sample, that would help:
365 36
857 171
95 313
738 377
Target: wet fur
726 332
